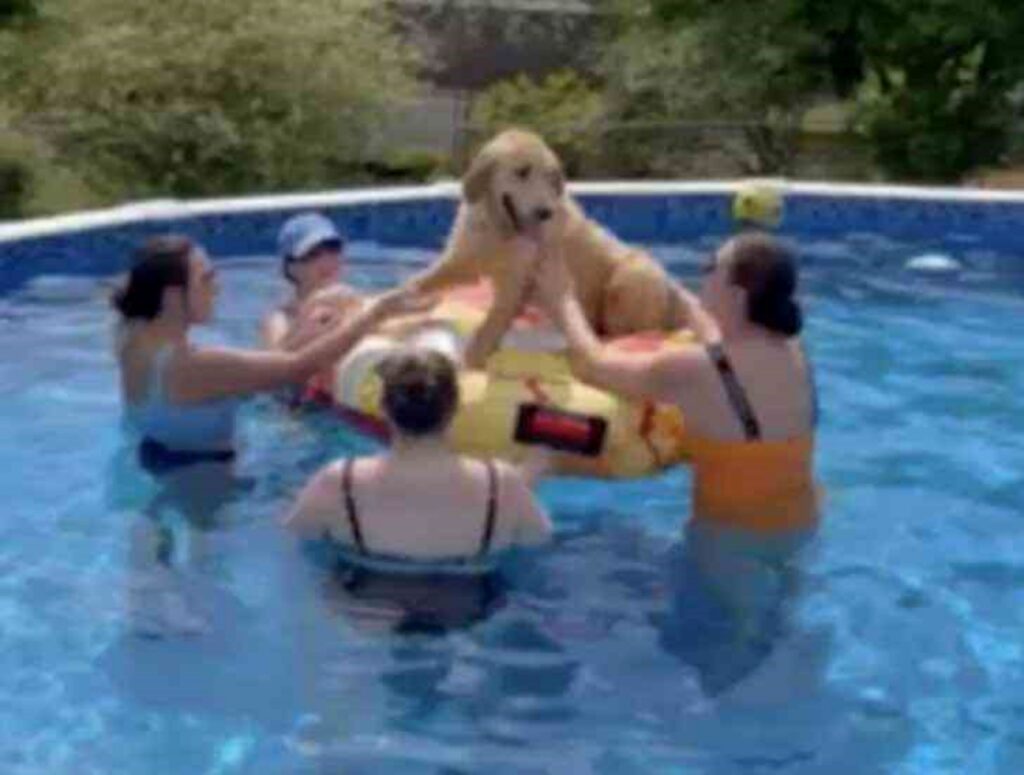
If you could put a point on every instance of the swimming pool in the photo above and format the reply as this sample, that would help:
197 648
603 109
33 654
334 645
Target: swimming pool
893 645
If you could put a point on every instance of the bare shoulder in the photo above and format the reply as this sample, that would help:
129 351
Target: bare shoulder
316 506
363 469
690 359
327 479
677 368
478 471
525 518
333 471
508 473
515 490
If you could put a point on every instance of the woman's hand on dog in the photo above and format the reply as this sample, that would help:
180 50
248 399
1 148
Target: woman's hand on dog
404 300
552 283
325 311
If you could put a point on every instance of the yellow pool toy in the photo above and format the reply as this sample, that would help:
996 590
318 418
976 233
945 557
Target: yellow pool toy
758 204
526 397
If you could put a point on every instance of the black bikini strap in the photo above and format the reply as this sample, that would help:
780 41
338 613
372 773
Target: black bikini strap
734 390
492 507
350 504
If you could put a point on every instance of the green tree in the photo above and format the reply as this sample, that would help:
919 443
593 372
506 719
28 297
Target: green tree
932 78
15 171
198 97
32 180
15 10
693 62
938 76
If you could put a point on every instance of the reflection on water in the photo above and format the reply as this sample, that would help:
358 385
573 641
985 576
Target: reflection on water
609 619
728 591
169 540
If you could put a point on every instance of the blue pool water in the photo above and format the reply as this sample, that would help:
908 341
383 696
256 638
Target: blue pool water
147 632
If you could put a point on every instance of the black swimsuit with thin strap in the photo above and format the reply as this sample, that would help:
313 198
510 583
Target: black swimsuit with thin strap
735 392
429 597
353 515
738 396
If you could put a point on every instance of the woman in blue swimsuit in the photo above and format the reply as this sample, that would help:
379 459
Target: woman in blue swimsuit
180 397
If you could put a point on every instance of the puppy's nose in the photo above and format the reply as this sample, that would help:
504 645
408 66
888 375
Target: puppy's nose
542 214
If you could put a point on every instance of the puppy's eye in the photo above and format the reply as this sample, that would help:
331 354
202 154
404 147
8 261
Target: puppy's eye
523 172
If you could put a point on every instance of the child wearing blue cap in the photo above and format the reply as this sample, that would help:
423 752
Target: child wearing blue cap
311 251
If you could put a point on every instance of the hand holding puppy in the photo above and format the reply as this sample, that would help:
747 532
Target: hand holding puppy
404 300
553 284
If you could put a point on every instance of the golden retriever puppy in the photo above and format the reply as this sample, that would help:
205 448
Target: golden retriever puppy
515 189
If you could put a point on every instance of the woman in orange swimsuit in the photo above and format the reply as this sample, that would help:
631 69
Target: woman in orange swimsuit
745 387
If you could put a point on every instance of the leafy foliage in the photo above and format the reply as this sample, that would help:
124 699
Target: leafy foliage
935 100
15 10
687 61
931 77
197 97
32 181
563 107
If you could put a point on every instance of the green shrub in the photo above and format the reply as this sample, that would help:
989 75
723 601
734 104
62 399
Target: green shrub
410 166
14 184
197 97
564 108
937 132
19 163
32 182
712 90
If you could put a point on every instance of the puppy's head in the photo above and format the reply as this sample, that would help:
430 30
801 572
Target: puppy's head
520 180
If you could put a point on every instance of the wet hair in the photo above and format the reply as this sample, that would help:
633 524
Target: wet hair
421 391
161 262
766 269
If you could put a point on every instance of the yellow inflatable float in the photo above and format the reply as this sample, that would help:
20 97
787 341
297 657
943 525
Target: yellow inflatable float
526 397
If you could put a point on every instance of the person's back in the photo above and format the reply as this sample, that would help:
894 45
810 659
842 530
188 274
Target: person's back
771 373
752 440
419 501
436 507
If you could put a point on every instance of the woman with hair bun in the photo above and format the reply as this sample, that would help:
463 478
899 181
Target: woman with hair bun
420 501
746 387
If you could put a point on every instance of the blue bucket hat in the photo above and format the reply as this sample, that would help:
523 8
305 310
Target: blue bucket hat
301 233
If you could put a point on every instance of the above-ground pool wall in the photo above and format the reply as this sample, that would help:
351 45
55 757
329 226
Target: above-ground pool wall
100 242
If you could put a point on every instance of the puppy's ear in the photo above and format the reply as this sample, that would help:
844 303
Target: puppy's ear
477 179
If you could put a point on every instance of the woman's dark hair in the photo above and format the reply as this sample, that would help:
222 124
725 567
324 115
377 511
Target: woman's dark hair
766 269
161 262
421 391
